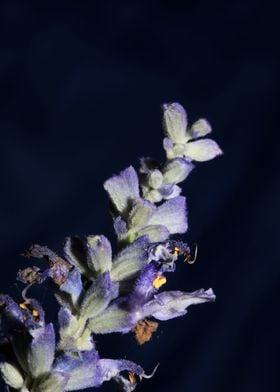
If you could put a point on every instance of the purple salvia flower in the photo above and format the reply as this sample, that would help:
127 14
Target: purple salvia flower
163 306
101 293
144 218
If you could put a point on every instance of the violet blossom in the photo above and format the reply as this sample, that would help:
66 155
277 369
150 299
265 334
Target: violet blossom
100 291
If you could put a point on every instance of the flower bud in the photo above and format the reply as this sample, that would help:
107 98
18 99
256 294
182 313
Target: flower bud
11 375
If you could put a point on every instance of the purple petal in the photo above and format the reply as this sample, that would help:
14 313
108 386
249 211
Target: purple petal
172 214
64 317
167 144
125 385
120 227
176 191
83 371
16 318
123 189
41 352
168 305
73 285
12 316
38 321
202 150
143 287
112 367
167 190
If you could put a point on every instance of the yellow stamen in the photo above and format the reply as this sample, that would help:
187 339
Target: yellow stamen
35 313
176 251
132 378
159 281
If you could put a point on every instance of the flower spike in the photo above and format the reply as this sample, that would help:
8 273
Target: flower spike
101 290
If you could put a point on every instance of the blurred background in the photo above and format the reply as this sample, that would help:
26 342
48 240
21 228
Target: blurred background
81 87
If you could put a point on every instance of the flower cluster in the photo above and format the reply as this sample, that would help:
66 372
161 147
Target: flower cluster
101 292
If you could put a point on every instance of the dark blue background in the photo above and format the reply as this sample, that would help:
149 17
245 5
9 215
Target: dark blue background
81 88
